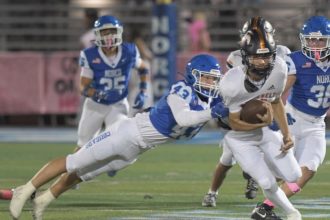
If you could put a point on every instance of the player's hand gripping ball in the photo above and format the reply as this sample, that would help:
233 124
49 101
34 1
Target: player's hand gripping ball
251 109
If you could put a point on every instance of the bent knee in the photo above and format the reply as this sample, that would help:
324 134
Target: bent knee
268 183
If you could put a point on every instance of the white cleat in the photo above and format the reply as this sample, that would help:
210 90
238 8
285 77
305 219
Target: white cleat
294 216
20 195
209 200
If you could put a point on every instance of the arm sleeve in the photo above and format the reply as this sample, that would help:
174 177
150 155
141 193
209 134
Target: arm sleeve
182 113
138 59
86 71
291 66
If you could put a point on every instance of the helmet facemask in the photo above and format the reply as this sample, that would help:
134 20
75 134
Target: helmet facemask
108 36
207 83
315 46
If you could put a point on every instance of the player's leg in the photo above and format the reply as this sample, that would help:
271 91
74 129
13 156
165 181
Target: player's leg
225 163
91 121
310 149
105 153
251 159
22 193
118 112
278 163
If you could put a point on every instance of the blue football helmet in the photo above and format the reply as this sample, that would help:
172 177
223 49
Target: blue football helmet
203 73
315 38
111 38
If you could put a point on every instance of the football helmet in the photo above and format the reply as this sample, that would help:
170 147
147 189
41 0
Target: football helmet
258 50
108 31
315 38
257 22
203 73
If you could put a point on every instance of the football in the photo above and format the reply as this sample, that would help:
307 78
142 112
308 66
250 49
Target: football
250 110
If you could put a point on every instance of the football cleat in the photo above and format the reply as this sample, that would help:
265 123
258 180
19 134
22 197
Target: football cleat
112 173
6 194
264 212
294 215
210 200
251 187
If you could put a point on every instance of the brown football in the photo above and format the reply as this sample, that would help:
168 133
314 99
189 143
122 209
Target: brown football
250 110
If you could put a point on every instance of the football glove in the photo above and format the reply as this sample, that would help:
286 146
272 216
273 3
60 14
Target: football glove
219 111
274 126
99 95
139 100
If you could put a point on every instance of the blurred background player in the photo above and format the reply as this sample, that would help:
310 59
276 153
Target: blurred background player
308 103
235 59
180 113
260 151
106 71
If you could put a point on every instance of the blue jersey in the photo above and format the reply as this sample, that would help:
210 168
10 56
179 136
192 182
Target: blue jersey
113 78
162 117
311 91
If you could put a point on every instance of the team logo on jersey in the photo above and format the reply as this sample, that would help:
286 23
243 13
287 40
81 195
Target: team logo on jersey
307 65
96 61
271 87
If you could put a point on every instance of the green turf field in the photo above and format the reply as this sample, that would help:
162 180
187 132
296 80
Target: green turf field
166 183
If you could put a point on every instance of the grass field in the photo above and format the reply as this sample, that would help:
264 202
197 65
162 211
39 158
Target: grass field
166 183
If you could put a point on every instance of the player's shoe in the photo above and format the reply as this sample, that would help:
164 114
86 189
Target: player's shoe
112 173
38 207
20 195
6 194
294 215
251 187
210 200
264 212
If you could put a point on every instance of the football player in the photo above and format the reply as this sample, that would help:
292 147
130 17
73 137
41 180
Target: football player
180 113
235 59
260 151
308 103
106 71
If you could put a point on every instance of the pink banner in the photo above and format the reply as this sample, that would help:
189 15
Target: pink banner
21 83
62 83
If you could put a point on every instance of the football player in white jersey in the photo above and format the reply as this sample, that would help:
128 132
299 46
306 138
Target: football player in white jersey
260 151
308 103
105 74
180 113
235 59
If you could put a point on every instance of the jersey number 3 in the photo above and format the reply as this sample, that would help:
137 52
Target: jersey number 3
322 95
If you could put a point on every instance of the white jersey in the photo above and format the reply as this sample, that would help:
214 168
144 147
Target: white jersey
235 57
234 94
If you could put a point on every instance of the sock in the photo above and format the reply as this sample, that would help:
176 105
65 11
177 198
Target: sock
29 187
44 199
212 192
269 203
279 199
294 187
